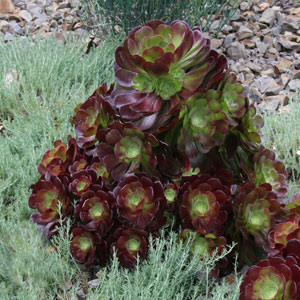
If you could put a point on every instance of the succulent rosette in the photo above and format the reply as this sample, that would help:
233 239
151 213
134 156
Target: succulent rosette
78 165
172 163
128 244
48 197
93 113
293 207
249 131
269 170
205 124
86 246
205 204
98 166
82 181
164 59
141 202
232 98
203 245
171 194
124 149
256 210
58 159
53 160
275 278
282 233
95 211
147 111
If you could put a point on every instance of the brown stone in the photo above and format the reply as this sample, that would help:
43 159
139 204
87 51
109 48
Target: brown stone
216 43
256 67
236 51
296 11
14 18
249 44
288 44
283 66
290 24
268 72
25 15
268 16
273 88
294 85
6 6
264 6
4 25
244 33
254 95
284 78
283 99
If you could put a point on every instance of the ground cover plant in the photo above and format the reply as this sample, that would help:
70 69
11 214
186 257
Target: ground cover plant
175 146
40 85
111 17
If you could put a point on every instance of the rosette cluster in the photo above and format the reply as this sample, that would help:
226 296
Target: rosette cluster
175 142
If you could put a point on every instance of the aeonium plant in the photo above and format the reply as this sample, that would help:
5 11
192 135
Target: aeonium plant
178 143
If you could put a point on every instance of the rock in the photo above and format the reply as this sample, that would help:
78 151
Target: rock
8 37
271 103
63 5
274 51
18 29
25 15
249 44
34 9
244 33
276 30
296 64
244 6
236 25
288 44
226 29
4 26
263 6
269 71
215 25
284 78
255 67
290 24
254 95
229 39
270 106
296 75
273 88
215 43
268 17
53 24
294 85
283 66
14 17
40 20
280 18
262 47
6 6
264 83
236 51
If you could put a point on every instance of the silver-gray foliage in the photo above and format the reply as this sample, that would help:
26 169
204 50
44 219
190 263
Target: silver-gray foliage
168 273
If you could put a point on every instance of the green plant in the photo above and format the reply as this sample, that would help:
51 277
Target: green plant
170 272
121 16
237 196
